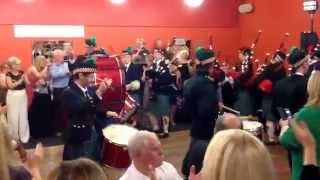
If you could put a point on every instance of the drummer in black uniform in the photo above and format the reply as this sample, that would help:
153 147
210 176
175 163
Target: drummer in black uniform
80 103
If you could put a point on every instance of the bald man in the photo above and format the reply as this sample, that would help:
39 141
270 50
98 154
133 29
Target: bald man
60 75
147 159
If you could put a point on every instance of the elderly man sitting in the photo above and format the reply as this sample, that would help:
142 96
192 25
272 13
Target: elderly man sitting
197 149
147 159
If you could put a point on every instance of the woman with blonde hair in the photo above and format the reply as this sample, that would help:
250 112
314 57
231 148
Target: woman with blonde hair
310 114
39 113
80 169
236 155
17 112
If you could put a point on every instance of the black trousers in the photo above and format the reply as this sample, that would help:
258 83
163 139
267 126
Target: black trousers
195 155
58 113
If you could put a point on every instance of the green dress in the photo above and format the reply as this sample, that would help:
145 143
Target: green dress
311 116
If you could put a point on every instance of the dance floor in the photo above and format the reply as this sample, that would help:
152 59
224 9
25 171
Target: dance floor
174 148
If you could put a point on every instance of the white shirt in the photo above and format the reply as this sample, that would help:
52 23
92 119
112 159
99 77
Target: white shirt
165 172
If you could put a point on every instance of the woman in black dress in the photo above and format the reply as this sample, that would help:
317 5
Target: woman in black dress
40 113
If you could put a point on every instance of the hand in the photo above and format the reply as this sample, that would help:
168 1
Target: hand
22 152
152 172
303 134
104 85
108 82
34 159
193 175
112 114
284 123
128 87
3 109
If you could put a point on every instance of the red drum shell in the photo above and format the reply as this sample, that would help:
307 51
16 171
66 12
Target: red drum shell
115 152
110 67
115 156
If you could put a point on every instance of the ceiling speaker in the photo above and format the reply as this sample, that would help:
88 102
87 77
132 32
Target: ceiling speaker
246 8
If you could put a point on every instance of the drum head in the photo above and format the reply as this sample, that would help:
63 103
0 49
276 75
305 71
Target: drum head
119 134
251 125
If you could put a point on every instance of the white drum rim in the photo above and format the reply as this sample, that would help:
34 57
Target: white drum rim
117 126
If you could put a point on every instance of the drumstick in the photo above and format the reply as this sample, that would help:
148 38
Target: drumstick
250 118
230 109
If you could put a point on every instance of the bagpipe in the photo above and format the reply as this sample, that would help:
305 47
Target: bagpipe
264 83
248 67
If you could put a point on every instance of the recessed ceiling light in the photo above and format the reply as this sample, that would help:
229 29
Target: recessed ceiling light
117 1
193 3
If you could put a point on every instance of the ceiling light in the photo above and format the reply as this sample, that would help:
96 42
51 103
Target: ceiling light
117 1
193 3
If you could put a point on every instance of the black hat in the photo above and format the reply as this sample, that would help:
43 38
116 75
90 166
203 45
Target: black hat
296 57
246 51
279 56
87 65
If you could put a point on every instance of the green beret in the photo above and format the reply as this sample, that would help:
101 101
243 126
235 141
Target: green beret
92 41
128 50
296 55
204 54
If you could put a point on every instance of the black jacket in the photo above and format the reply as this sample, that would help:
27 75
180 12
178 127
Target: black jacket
201 102
133 73
80 112
291 93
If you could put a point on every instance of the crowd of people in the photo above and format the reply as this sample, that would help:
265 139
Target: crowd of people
165 83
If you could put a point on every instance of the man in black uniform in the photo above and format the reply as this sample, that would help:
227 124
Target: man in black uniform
266 81
291 92
201 101
133 75
80 103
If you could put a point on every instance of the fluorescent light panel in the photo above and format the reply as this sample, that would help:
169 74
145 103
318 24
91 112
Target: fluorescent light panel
48 31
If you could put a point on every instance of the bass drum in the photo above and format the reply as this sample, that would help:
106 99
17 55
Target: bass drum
110 67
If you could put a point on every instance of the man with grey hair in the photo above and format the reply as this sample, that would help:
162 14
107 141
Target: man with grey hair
197 149
147 159
60 75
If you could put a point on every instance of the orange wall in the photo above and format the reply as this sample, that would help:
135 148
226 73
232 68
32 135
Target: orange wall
114 39
116 27
274 18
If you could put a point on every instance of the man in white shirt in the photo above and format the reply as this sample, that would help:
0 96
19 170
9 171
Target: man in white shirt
147 159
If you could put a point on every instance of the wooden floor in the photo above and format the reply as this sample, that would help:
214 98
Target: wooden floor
175 148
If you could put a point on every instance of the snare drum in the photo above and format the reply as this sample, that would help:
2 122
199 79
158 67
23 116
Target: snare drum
253 127
115 151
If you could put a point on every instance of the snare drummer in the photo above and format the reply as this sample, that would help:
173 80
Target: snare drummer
80 103
147 159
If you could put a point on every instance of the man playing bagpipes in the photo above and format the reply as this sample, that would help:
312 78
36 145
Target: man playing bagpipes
245 102
265 81
246 94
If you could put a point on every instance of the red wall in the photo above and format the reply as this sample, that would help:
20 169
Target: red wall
274 18
117 26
